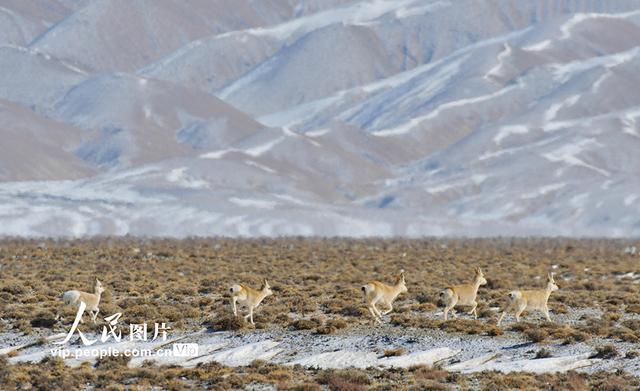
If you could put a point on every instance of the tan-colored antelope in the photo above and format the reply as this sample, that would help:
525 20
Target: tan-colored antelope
463 294
249 297
376 291
91 300
520 300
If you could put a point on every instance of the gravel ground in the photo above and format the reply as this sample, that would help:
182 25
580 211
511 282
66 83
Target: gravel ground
377 339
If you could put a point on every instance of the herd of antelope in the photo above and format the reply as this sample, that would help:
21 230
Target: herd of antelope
374 292
462 294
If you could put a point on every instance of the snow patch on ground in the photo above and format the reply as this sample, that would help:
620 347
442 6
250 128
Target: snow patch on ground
630 199
339 359
568 154
363 359
262 149
539 46
246 354
260 166
179 177
357 14
543 365
565 29
253 203
496 71
406 12
563 72
429 358
544 190
630 124
552 112
254 151
509 130
414 122
361 349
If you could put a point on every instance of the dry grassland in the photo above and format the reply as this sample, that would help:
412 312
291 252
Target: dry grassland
316 284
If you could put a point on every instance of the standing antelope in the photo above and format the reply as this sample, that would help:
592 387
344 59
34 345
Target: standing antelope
376 291
92 300
530 300
463 294
249 297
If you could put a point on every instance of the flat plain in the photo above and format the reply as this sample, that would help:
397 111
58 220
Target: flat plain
316 284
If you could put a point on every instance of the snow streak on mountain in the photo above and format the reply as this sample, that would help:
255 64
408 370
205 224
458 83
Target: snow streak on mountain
319 117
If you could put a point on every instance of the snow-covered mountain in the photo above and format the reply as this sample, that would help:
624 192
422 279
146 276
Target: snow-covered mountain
325 117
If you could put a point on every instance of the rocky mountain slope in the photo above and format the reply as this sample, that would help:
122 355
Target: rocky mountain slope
326 117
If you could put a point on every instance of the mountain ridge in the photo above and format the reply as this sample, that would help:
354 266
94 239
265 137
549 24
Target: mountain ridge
331 118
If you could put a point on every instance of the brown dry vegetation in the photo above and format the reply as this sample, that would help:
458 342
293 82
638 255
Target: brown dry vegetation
111 373
185 282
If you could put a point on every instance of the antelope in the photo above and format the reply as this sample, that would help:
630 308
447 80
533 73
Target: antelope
463 294
530 300
92 300
249 297
376 291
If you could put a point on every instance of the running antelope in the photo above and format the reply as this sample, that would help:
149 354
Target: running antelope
91 300
249 297
463 294
530 300
376 291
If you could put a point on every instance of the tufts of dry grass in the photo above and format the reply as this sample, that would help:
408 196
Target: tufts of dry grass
543 353
607 352
227 323
331 326
316 284
345 379
185 282
112 373
394 352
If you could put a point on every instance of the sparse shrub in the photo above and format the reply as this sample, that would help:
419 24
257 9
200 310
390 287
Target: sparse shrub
325 329
543 353
304 387
331 326
345 379
486 313
113 362
576 336
522 326
13 289
337 323
154 291
607 352
351 310
403 320
228 323
624 334
43 319
467 326
632 354
423 372
612 317
424 298
305 324
632 324
394 352
536 335
633 308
